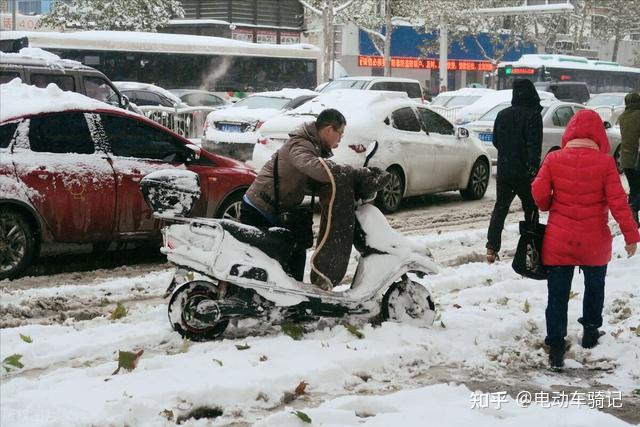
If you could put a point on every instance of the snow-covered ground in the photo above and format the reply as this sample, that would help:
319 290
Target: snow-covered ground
484 351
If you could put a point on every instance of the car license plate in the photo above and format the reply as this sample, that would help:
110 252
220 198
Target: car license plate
230 128
486 137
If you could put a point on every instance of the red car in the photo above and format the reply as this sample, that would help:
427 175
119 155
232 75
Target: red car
72 175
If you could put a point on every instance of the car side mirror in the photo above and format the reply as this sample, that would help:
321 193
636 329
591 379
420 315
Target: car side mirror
124 101
462 133
607 125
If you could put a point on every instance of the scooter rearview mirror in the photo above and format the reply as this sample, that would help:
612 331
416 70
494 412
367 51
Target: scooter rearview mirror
371 150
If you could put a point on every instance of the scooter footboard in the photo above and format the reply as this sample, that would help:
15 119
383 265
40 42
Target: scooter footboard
195 244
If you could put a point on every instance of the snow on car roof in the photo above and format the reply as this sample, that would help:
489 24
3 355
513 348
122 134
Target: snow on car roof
287 93
147 86
369 78
40 55
18 99
466 91
355 105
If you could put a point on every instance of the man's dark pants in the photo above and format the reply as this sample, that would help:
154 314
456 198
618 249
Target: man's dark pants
506 191
633 177
250 216
559 287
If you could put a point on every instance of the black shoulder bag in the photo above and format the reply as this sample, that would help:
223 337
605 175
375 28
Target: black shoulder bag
298 220
527 260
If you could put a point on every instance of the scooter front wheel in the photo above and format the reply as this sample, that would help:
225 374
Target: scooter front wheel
185 317
410 302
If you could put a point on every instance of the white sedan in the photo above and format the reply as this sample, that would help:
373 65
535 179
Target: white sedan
423 151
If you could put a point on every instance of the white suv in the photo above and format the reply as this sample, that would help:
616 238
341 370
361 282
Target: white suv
410 86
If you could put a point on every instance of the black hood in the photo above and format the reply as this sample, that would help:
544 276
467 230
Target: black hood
525 94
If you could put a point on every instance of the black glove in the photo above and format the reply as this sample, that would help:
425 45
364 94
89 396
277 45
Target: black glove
380 177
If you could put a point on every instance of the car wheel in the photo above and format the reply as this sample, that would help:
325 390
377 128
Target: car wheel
230 209
478 181
388 200
17 244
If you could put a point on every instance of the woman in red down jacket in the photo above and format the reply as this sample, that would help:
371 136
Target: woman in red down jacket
578 185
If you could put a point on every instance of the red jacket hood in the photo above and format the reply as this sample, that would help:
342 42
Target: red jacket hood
587 124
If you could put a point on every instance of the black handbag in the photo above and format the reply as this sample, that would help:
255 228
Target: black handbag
298 220
527 260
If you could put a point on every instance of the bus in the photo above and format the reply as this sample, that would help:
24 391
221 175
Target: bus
176 61
600 76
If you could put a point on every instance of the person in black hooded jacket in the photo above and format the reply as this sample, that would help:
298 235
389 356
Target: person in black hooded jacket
517 134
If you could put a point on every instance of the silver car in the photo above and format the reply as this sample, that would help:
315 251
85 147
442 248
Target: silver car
555 117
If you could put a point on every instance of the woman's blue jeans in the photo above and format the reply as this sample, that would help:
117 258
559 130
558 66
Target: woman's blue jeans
559 286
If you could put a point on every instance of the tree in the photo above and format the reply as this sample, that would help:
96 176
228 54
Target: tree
615 19
123 15
502 32
371 16
329 14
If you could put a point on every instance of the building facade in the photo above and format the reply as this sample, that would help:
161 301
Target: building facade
256 21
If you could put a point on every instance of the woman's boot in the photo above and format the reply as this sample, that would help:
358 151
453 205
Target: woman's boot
556 355
590 336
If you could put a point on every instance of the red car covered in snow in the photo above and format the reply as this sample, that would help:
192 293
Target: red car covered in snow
70 169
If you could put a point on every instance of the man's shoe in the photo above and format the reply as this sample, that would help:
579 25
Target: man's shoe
492 256
556 355
590 337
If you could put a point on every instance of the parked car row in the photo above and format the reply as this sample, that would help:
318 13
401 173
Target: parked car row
468 104
555 117
232 131
70 169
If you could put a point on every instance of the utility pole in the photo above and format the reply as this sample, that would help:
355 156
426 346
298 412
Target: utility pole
13 14
444 55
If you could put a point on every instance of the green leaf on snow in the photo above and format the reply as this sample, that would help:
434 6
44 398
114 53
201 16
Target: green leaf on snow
26 338
526 307
354 331
12 361
128 360
119 312
304 417
502 301
244 346
219 362
293 330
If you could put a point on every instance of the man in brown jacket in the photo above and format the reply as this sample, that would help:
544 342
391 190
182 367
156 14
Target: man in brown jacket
299 167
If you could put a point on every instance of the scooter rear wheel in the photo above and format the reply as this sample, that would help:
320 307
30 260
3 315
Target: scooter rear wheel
183 312
409 302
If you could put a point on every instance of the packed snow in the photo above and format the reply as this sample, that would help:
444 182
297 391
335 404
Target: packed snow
486 346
